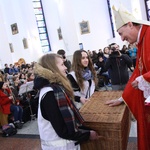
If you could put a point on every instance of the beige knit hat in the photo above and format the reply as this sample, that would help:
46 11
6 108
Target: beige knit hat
123 16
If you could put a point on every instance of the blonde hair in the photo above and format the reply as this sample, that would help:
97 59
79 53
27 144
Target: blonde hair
48 62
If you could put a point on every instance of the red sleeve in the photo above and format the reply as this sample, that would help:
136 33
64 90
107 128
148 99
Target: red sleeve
146 55
146 76
4 98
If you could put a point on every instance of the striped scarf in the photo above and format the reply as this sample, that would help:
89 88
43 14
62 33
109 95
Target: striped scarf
87 74
67 108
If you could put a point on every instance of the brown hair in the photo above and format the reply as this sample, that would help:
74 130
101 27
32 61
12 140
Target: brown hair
77 67
15 77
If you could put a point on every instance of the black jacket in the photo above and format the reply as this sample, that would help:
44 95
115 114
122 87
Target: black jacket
118 68
102 66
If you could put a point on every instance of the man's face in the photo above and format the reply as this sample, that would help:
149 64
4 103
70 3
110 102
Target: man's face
128 33
116 47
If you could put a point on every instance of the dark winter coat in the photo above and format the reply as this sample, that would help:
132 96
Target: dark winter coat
118 68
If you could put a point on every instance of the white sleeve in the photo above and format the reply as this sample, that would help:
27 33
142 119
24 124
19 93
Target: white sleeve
144 86
121 99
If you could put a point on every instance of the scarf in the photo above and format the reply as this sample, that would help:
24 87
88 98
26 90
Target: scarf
67 108
87 74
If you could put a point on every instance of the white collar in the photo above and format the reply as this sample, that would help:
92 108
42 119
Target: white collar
139 33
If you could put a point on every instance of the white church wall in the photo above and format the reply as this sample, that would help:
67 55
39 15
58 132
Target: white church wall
96 13
20 12
5 55
58 13
70 14
53 23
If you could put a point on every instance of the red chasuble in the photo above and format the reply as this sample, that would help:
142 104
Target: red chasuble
134 97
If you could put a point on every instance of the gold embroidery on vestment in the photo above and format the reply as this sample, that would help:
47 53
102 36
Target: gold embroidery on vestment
140 65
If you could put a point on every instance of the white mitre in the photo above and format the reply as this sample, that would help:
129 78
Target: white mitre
123 16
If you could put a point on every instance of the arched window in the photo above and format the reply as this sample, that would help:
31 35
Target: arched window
111 20
41 24
147 5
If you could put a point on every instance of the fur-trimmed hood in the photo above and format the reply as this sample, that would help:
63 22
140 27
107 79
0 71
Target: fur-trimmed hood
44 77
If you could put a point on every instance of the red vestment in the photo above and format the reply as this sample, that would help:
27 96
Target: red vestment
134 97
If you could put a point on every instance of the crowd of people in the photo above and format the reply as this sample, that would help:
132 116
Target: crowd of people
12 103
64 89
83 73
53 74
113 65
61 80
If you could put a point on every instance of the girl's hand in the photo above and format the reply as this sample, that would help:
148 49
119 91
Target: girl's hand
83 100
94 135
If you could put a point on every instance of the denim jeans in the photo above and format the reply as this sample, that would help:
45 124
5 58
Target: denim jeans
17 112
